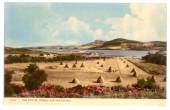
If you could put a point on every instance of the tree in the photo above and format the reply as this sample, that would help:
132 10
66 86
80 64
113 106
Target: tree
31 68
34 77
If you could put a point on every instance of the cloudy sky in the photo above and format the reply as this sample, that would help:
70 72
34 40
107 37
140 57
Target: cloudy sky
37 24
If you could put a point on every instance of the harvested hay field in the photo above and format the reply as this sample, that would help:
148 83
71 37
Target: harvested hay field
88 73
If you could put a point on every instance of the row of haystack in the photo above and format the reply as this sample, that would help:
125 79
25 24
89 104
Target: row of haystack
74 65
100 79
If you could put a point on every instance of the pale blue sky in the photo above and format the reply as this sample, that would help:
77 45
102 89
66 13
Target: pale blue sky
37 24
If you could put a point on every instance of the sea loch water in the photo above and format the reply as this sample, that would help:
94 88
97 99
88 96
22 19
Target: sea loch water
127 53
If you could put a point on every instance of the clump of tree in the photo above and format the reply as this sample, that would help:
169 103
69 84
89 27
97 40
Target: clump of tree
34 77
27 58
155 58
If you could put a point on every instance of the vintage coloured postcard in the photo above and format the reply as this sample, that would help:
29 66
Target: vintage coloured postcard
85 53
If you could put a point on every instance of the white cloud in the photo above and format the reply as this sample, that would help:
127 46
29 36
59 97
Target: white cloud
76 25
98 33
146 22
69 31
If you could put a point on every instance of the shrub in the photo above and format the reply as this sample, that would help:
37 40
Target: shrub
41 54
148 84
34 77
59 88
17 88
140 83
155 58
8 89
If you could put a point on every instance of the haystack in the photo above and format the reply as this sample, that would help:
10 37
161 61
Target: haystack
118 79
153 78
110 69
127 65
100 79
98 62
61 63
101 65
66 66
134 74
133 70
74 65
76 81
82 65
164 78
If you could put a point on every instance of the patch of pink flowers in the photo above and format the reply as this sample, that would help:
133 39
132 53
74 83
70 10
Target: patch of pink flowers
52 91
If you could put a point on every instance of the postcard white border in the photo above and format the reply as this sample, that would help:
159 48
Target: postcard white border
132 105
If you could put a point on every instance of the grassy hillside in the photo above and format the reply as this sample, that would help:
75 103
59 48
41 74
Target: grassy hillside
117 42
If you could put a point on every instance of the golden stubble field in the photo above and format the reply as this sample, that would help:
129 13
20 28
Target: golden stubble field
87 75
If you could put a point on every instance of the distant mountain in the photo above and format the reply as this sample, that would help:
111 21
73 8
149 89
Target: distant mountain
121 43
